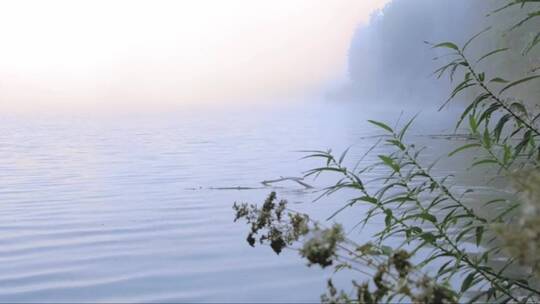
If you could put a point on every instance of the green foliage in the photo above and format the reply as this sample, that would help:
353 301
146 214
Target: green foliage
393 275
422 209
270 223
396 32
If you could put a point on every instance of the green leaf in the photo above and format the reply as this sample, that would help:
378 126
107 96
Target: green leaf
482 77
367 199
474 37
428 217
342 157
448 45
473 124
479 234
406 127
515 83
381 125
396 143
460 87
516 106
453 70
388 218
416 230
499 200
487 113
524 142
428 237
525 20
484 162
443 267
389 162
500 126
499 80
472 107
462 148
440 71
497 51
507 154
467 282
464 232
486 139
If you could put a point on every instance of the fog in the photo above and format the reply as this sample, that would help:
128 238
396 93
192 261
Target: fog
125 54
133 129
389 61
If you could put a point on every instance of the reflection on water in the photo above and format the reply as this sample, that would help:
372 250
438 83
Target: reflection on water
102 209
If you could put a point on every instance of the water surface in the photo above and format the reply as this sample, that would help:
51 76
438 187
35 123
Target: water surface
121 208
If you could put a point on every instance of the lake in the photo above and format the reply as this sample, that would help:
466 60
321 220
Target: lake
124 208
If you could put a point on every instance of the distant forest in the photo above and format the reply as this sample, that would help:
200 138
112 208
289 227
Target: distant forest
388 59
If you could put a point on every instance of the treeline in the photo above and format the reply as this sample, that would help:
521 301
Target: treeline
389 59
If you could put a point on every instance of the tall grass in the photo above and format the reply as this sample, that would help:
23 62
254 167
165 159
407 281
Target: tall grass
458 243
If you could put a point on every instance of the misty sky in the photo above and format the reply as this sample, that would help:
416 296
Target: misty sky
149 53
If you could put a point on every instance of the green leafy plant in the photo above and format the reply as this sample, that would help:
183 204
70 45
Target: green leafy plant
423 214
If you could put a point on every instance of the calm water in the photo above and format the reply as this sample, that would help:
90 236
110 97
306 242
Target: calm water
120 209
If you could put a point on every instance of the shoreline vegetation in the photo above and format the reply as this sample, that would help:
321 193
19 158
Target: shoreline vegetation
465 254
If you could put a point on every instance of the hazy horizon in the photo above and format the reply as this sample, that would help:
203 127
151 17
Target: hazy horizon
145 54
